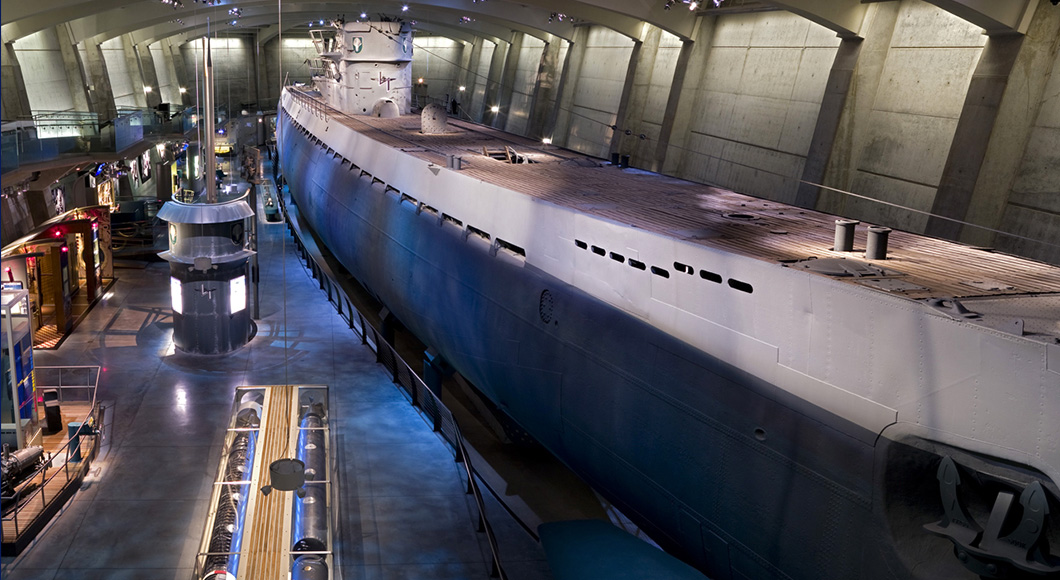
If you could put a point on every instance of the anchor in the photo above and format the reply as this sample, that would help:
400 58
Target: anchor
984 551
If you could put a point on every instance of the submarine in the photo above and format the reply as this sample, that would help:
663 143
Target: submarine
768 391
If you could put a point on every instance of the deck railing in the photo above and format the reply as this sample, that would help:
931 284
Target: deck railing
403 376
74 384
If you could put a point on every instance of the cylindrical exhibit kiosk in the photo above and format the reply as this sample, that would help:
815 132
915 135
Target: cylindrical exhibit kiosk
207 257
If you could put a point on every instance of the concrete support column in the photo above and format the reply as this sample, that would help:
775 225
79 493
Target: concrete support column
982 103
560 121
658 159
679 125
840 80
470 105
880 22
493 83
467 60
146 64
256 76
546 91
632 109
72 61
627 92
15 100
135 72
507 86
100 95
1017 184
176 60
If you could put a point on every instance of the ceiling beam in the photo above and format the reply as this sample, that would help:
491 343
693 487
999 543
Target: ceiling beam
993 16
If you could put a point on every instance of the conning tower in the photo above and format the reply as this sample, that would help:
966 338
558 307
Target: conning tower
365 68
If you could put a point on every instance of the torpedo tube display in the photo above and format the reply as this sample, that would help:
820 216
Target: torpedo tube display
269 516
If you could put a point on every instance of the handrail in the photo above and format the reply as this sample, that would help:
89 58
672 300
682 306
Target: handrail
421 395
41 471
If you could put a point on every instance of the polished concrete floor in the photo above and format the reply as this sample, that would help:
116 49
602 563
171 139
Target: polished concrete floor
402 510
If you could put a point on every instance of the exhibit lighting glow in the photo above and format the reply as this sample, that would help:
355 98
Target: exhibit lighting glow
405 8
182 90
237 295
420 81
462 88
495 109
147 89
547 141
175 296
363 15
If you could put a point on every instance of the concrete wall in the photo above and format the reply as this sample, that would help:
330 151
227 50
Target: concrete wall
123 72
757 102
44 72
649 94
168 87
904 107
523 79
589 105
436 60
287 64
1034 205
233 66
479 79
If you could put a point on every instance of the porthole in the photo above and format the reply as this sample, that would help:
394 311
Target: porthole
710 276
740 285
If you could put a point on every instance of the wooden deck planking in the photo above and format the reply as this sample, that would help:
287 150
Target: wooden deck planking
672 207
266 554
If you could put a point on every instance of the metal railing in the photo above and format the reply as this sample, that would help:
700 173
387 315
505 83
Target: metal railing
74 384
404 377
49 135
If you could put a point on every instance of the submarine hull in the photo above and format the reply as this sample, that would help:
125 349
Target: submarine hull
670 434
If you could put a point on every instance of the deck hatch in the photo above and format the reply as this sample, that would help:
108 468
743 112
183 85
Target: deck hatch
843 268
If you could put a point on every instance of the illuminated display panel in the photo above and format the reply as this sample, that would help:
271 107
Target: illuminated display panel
237 295
174 291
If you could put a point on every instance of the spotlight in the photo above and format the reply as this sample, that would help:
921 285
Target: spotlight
405 8
546 141
495 109
462 88
364 15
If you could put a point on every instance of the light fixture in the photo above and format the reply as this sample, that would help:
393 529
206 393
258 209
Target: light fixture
182 90
364 15
495 109
462 88
405 8
547 141
420 80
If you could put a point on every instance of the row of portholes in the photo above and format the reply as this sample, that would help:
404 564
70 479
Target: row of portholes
663 272
497 244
